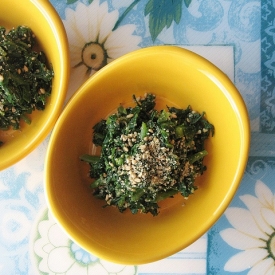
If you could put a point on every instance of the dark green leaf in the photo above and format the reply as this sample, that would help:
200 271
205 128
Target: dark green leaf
124 14
137 194
26 119
179 131
144 130
100 130
197 156
187 3
161 14
72 1
165 194
97 183
132 123
164 116
121 110
89 158
121 201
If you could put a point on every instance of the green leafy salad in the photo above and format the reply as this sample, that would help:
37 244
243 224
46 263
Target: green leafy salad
25 79
147 155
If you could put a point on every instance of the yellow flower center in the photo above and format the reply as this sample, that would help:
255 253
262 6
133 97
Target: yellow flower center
94 56
271 245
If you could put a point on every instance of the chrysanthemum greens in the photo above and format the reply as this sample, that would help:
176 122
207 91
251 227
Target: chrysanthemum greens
25 78
148 155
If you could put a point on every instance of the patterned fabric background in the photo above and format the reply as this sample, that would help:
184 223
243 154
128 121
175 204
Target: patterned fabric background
243 240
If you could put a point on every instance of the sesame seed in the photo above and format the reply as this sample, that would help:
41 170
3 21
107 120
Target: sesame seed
142 147
42 91
173 115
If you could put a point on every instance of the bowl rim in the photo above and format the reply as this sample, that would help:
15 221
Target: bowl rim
83 89
45 8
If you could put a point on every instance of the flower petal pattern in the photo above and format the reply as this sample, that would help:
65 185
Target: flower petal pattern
245 260
92 26
264 194
56 254
58 266
269 216
262 267
243 221
253 233
57 237
240 240
254 206
77 269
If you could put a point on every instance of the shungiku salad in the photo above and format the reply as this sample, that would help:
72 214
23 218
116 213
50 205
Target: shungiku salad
147 155
25 77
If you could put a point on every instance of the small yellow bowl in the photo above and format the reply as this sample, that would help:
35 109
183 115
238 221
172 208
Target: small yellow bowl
50 34
177 77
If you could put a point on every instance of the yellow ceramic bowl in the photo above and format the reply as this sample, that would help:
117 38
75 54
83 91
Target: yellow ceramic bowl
178 78
42 18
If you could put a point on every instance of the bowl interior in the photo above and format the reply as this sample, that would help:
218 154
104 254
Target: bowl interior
42 18
178 78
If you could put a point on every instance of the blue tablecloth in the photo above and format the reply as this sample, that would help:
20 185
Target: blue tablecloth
236 35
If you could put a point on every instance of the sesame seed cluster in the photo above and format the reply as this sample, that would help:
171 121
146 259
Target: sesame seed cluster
151 166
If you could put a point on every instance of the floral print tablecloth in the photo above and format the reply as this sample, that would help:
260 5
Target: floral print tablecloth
239 37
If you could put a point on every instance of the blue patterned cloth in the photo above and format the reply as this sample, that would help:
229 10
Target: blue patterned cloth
243 239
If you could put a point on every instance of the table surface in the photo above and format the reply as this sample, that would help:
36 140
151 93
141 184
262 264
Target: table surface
236 35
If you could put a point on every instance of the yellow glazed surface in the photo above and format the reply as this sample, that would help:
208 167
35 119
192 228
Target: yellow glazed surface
42 18
178 78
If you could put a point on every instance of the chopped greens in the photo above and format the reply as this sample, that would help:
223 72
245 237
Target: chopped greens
147 155
25 79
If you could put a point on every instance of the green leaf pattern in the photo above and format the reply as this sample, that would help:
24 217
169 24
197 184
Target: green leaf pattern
187 3
161 13
73 1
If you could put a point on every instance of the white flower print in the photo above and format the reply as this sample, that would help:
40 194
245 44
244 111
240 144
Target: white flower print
55 253
93 41
253 233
